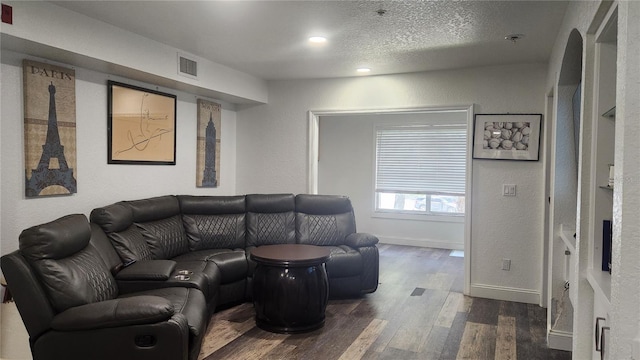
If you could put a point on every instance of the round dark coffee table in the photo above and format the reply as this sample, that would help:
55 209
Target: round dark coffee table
290 287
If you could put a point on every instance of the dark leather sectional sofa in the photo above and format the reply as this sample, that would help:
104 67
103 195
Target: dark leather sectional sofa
141 279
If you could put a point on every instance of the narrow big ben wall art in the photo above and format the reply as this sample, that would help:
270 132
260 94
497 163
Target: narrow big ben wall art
49 129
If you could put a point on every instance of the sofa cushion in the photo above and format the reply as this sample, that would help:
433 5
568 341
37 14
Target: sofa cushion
105 248
166 237
232 265
323 230
113 218
80 279
215 231
160 222
57 239
270 219
115 313
270 229
130 245
270 203
324 220
71 270
155 208
116 220
323 204
211 205
213 222
188 302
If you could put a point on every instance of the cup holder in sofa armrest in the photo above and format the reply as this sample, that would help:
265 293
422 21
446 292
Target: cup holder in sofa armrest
158 270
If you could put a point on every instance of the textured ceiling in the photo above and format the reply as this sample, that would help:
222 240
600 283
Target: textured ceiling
268 39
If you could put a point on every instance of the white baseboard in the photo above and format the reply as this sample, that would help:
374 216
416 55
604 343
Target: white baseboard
560 340
431 243
505 293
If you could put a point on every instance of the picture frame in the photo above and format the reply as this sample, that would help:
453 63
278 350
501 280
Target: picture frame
50 151
141 126
208 144
507 136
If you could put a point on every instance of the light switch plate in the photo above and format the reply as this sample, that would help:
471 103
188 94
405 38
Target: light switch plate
506 264
508 190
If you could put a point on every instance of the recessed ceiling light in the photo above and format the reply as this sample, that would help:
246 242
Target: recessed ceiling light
317 39
363 70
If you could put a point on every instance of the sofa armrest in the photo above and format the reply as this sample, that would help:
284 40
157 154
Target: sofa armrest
358 240
158 270
135 310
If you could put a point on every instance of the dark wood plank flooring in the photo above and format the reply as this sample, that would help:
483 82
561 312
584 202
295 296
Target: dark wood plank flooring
418 312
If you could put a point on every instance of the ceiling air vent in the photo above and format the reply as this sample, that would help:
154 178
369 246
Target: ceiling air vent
187 67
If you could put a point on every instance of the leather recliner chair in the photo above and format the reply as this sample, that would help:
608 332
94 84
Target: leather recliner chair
329 221
73 309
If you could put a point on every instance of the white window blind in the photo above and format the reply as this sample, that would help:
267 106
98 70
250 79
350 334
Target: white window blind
429 159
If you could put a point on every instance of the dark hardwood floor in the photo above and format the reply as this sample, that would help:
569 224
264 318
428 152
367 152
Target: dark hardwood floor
418 312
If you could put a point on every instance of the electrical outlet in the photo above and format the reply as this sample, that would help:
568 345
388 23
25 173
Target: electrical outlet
508 190
506 264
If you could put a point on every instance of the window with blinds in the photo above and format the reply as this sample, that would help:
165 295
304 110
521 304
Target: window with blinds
421 168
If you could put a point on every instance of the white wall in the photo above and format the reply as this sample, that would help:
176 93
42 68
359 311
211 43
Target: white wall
625 280
273 141
44 29
99 184
346 167
579 16
624 317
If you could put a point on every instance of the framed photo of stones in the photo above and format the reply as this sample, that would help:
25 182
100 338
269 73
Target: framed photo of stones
141 127
49 129
507 136
208 149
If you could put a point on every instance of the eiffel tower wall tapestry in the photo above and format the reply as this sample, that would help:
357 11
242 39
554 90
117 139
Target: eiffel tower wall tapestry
49 129
208 153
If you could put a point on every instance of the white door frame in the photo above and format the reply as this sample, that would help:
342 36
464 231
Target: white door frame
312 165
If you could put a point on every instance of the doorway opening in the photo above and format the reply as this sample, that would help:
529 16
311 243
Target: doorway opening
343 159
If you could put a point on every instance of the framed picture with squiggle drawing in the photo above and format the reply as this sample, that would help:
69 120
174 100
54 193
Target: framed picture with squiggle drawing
141 125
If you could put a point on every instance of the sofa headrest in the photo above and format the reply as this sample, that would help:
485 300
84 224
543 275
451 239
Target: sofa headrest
113 218
57 239
69 268
322 204
270 203
156 208
211 205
